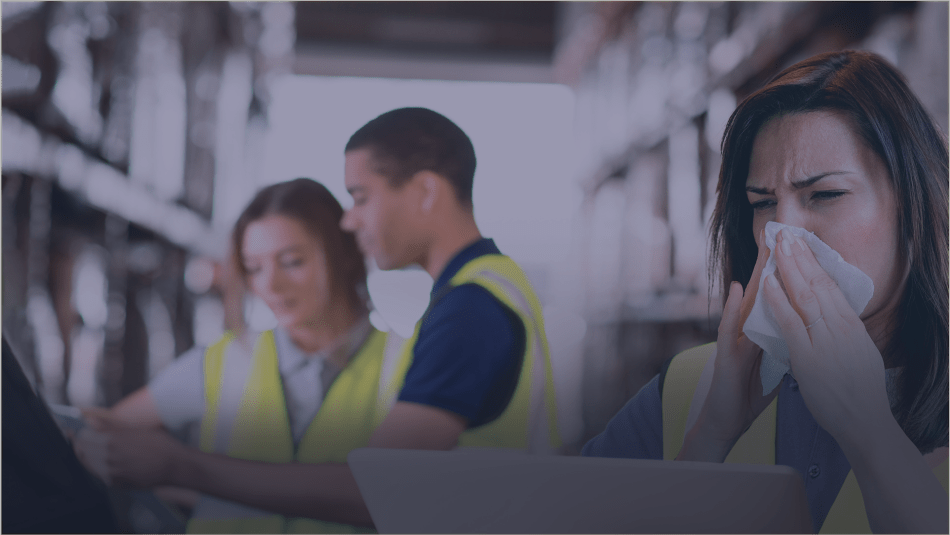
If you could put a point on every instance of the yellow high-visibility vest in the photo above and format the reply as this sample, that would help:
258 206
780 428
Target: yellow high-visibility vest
246 418
529 422
757 444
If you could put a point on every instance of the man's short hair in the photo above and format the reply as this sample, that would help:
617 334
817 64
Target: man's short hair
408 140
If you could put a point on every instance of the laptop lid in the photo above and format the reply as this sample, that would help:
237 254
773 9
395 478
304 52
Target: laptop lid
489 491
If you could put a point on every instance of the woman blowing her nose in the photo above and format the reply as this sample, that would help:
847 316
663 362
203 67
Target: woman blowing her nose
836 145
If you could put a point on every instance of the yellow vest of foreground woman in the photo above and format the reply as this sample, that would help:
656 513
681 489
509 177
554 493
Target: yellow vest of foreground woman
246 418
757 444
529 422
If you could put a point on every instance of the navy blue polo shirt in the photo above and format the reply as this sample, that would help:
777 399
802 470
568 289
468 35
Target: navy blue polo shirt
468 356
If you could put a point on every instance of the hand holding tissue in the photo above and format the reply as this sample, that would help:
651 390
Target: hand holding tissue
761 326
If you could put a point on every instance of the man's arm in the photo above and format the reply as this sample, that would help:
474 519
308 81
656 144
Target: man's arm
418 427
321 491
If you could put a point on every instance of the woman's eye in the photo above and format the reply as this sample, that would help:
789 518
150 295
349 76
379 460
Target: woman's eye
826 195
252 270
292 263
764 204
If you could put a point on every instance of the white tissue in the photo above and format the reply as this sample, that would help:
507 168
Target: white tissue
761 326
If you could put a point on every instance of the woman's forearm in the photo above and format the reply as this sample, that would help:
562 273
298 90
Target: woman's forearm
137 410
320 491
901 492
698 447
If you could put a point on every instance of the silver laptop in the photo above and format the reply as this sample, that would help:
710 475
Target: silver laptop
492 491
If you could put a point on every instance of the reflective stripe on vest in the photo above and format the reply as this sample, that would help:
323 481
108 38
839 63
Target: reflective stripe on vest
246 417
757 444
529 422
395 345
236 368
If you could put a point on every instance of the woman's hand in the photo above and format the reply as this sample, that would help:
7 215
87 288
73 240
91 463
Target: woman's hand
124 455
839 369
735 397
840 374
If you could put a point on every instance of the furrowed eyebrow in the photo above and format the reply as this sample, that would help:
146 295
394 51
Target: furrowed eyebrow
800 184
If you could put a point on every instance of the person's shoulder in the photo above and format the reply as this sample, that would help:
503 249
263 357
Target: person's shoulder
226 338
466 317
374 333
469 301
377 341
457 295
251 339
636 431
493 261
214 354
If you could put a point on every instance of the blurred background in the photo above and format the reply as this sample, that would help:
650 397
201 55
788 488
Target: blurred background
133 134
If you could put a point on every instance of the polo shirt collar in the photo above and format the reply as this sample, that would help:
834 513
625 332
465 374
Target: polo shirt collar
481 247
291 358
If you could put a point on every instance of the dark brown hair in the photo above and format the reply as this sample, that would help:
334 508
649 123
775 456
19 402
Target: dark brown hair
408 140
882 110
312 204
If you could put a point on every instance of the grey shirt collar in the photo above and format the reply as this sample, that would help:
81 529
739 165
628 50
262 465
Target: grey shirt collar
307 377
291 358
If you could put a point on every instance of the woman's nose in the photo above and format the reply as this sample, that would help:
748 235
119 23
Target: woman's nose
272 279
791 214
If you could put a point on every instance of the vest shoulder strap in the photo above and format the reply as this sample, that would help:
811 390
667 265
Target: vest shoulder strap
507 282
226 390
680 382
392 352
211 368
